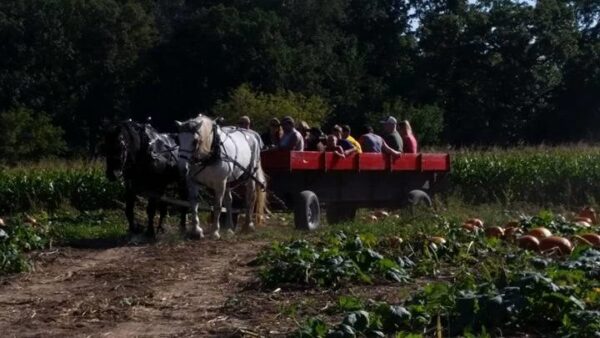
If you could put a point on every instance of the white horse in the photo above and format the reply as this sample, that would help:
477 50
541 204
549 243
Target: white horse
219 158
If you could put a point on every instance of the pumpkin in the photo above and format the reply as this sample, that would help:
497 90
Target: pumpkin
496 232
563 245
394 241
529 242
583 219
1 222
590 213
594 239
373 218
30 220
512 232
470 227
381 213
540 232
475 221
438 240
582 224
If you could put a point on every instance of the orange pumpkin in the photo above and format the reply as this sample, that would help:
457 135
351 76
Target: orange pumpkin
563 245
583 219
476 222
496 232
1 222
394 241
582 224
594 239
529 242
540 232
470 227
590 213
438 240
381 213
511 232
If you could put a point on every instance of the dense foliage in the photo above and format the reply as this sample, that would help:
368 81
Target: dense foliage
482 286
566 175
493 71
50 187
549 175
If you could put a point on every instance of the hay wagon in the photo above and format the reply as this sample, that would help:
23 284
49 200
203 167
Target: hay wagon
307 181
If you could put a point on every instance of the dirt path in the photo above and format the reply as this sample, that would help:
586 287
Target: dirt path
199 289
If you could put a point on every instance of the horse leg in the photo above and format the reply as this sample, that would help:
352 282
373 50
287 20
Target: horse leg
250 203
151 211
161 217
183 210
194 201
217 204
228 202
129 205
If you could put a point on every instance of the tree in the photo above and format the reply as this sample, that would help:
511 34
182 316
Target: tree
27 136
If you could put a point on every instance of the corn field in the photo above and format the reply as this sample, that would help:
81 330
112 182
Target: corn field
53 185
565 175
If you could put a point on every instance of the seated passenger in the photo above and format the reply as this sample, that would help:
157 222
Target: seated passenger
303 128
333 144
409 141
373 143
291 139
272 136
244 122
316 140
390 134
345 144
346 136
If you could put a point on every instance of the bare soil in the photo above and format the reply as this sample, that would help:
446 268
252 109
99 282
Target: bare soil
189 288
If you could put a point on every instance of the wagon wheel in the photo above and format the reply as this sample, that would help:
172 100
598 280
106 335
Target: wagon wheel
307 212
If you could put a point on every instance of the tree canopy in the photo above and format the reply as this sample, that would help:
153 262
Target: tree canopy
487 72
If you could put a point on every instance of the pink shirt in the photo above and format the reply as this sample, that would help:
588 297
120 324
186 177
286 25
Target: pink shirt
410 144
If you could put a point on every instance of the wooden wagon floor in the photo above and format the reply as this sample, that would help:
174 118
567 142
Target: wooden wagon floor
180 289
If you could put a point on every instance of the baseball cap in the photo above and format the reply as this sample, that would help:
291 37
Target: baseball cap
287 119
390 120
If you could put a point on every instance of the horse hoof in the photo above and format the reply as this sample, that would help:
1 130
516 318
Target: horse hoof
197 234
215 235
230 232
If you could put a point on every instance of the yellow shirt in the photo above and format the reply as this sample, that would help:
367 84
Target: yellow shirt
355 144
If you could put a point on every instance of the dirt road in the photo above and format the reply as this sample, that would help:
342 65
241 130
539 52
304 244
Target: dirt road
191 289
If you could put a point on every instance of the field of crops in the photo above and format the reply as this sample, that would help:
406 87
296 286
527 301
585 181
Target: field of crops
462 282
568 175
404 275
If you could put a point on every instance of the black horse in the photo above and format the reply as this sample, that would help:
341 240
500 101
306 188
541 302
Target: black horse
147 162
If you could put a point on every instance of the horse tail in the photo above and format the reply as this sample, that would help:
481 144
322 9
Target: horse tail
261 196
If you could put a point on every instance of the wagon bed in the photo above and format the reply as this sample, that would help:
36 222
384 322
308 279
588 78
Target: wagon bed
308 181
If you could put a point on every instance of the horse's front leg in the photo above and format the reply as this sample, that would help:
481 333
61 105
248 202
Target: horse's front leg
217 205
250 204
228 203
150 212
161 218
194 202
129 205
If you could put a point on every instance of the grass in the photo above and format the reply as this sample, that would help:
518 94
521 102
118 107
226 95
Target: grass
87 228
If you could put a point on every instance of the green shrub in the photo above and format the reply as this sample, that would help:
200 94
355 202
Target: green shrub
261 107
26 135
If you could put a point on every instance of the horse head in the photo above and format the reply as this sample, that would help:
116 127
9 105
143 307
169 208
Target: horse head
196 138
121 140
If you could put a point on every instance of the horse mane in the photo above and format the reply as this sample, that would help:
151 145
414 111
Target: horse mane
205 131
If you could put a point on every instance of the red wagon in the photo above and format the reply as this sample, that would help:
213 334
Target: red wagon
307 181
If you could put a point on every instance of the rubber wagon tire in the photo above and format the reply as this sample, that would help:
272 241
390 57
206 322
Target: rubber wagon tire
307 212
